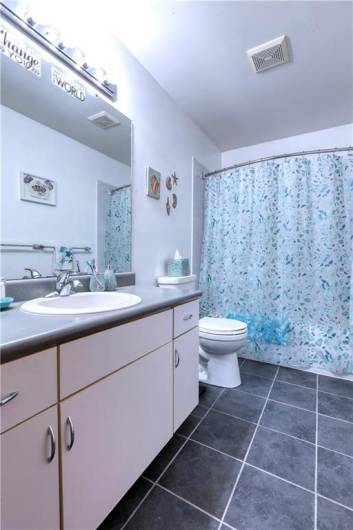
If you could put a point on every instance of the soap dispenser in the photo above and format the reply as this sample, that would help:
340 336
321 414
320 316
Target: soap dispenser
110 279
2 288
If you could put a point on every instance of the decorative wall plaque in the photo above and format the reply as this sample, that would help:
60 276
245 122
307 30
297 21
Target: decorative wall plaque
37 189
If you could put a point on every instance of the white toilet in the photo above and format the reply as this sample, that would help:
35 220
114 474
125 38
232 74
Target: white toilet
220 339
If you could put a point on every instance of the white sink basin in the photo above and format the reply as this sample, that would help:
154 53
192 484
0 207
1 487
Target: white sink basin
81 303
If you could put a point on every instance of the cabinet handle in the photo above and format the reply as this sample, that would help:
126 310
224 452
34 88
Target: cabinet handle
7 398
51 454
187 317
70 425
176 358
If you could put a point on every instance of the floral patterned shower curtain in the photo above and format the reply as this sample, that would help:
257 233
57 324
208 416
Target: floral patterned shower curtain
278 247
118 231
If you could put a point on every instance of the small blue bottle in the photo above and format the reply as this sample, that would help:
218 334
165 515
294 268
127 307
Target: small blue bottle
110 279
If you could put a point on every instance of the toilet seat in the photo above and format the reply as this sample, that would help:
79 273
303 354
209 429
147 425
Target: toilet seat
222 327
222 338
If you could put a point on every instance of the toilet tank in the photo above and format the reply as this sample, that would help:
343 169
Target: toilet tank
173 282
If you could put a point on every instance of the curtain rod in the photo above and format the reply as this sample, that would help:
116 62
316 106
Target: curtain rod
118 189
275 157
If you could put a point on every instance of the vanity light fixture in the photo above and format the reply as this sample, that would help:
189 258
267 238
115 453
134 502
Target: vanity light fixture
48 37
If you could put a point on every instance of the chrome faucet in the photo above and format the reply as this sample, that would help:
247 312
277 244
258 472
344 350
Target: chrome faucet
33 273
64 283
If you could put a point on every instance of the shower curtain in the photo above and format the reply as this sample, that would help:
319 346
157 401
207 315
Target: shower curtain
118 231
278 251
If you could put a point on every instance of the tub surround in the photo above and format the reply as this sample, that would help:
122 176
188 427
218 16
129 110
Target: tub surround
25 333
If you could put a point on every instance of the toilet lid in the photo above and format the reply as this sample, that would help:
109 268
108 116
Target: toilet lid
222 326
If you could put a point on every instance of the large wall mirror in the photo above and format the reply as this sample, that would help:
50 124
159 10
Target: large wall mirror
65 167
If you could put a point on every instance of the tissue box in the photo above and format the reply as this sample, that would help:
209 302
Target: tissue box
178 267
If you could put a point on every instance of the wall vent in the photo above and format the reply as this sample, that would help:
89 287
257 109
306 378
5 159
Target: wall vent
269 54
104 120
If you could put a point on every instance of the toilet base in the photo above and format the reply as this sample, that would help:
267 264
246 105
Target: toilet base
223 370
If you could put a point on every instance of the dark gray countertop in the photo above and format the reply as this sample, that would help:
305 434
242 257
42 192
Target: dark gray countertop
24 333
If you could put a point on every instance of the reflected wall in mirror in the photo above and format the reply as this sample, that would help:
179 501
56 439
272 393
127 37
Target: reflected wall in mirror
81 144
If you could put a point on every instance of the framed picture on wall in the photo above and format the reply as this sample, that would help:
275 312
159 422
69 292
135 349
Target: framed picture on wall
153 183
37 189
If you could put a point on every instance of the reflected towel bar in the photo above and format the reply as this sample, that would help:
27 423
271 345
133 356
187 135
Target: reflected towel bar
35 247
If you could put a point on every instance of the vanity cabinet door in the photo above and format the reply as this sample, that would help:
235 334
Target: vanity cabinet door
30 474
186 375
111 431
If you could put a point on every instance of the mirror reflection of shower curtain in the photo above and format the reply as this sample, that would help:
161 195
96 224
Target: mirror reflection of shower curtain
278 251
118 231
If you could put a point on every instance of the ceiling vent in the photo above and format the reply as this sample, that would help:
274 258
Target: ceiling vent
268 55
103 120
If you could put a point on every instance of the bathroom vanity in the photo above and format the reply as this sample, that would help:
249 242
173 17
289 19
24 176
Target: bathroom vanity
81 419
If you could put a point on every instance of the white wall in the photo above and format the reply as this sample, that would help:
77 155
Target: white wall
341 136
166 139
30 146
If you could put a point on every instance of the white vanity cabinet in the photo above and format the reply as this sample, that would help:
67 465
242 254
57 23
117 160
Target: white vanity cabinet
111 431
29 443
30 474
186 375
115 397
186 361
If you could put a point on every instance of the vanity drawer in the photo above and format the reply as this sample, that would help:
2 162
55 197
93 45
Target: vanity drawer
186 317
86 360
34 378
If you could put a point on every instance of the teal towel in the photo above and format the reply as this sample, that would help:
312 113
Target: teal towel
261 328
65 258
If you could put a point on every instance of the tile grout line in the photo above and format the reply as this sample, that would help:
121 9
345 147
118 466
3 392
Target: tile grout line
335 418
138 505
337 395
216 450
247 452
268 429
189 502
308 410
198 508
265 470
308 387
335 502
316 449
280 478
167 466
250 465
297 384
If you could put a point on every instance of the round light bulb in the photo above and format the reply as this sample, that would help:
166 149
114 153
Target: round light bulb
49 32
20 8
98 73
76 54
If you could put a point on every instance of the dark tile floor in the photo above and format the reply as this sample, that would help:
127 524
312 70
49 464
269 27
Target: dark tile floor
274 454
